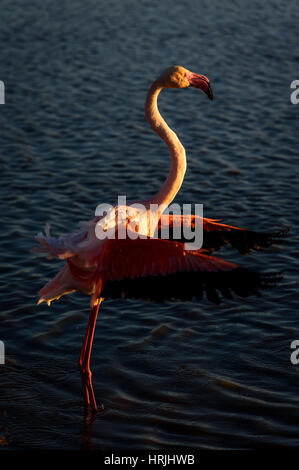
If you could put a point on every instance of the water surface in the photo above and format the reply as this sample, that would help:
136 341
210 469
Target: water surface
73 135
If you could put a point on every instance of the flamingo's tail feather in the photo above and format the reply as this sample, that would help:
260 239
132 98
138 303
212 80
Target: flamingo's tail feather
51 246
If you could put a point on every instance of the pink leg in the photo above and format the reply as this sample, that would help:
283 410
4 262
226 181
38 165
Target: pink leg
84 359
83 349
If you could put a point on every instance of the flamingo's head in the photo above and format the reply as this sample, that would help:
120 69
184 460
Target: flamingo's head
179 77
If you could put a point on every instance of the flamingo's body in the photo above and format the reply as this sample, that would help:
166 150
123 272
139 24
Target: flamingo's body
136 268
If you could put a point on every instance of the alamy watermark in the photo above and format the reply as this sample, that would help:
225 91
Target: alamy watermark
2 92
2 353
294 97
142 221
295 354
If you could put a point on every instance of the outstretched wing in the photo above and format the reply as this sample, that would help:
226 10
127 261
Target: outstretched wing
215 234
160 269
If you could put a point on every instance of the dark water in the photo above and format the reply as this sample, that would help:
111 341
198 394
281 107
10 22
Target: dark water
73 134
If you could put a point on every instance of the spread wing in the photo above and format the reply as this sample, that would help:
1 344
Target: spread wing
216 234
160 269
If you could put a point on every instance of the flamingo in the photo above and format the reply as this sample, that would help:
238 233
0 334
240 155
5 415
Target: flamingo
147 267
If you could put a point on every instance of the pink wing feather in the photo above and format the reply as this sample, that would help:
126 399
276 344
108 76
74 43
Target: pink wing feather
123 259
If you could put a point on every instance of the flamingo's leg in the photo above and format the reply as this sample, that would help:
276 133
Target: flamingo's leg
92 315
83 349
84 359
94 303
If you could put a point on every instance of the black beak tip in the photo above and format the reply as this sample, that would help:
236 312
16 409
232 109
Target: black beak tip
209 92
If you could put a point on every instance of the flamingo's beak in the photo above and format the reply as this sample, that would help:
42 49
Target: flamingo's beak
201 82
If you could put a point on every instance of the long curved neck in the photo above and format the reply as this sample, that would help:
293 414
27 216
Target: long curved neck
178 157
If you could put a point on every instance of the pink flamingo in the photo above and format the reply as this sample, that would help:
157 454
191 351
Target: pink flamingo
150 267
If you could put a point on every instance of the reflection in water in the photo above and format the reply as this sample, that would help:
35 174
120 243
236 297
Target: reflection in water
87 430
